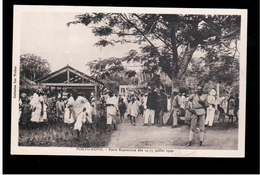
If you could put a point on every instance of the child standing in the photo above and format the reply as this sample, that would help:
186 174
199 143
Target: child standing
133 111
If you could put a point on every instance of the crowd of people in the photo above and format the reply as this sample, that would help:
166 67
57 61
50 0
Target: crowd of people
198 109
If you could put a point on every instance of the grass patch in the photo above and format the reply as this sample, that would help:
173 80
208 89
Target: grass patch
60 135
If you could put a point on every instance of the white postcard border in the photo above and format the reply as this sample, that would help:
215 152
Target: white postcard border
20 150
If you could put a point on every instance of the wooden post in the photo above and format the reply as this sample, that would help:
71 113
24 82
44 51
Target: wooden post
61 93
95 106
68 76
56 96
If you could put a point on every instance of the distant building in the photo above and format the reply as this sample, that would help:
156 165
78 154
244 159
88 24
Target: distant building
124 89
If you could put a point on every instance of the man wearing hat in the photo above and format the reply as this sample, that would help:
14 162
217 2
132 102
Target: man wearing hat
198 117
151 106
162 106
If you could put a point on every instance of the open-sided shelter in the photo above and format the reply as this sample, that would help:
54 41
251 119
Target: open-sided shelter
67 78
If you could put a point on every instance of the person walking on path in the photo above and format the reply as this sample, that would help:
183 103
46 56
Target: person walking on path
151 106
162 106
122 108
111 104
198 117
211 108
133 111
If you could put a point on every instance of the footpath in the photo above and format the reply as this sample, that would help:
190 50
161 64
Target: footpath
153 137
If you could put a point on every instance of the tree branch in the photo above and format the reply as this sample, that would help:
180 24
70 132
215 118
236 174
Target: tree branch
156 35
127 20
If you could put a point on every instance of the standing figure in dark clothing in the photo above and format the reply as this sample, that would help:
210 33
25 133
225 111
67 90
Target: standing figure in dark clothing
236 107
151 106
122 108
26 111
230 109
221 114
162 106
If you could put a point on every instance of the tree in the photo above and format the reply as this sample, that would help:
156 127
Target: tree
169 39
112 72
102 68
33 66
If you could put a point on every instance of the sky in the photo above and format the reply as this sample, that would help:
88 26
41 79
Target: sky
46 34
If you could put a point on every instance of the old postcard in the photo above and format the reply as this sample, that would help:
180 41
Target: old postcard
117 81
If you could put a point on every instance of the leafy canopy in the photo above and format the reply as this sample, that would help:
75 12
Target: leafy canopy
33 66
167 41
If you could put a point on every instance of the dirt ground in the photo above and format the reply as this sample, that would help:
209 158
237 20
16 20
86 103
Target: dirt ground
128 136
217 137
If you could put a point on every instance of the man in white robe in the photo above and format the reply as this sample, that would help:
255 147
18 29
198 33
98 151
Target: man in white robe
78 105
112 103
37 107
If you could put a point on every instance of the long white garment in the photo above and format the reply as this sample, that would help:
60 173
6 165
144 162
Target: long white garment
36 104
224 104
81 118
111 110
69 118
128 109
168 104
134 109
210 111
44 116
149 114
79 104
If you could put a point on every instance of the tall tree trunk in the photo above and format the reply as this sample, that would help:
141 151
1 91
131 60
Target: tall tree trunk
186 60
176 77
174 53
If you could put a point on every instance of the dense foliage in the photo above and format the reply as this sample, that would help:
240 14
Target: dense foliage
168 42
33 66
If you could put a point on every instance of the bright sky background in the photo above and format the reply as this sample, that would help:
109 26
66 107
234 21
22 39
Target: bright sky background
47 35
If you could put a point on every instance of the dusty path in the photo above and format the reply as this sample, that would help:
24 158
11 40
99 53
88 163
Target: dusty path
129 136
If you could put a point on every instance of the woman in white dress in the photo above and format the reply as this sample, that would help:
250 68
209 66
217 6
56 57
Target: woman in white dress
133 111
37 108
211 109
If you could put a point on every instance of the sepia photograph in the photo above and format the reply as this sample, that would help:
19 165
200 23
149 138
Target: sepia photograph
117 81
